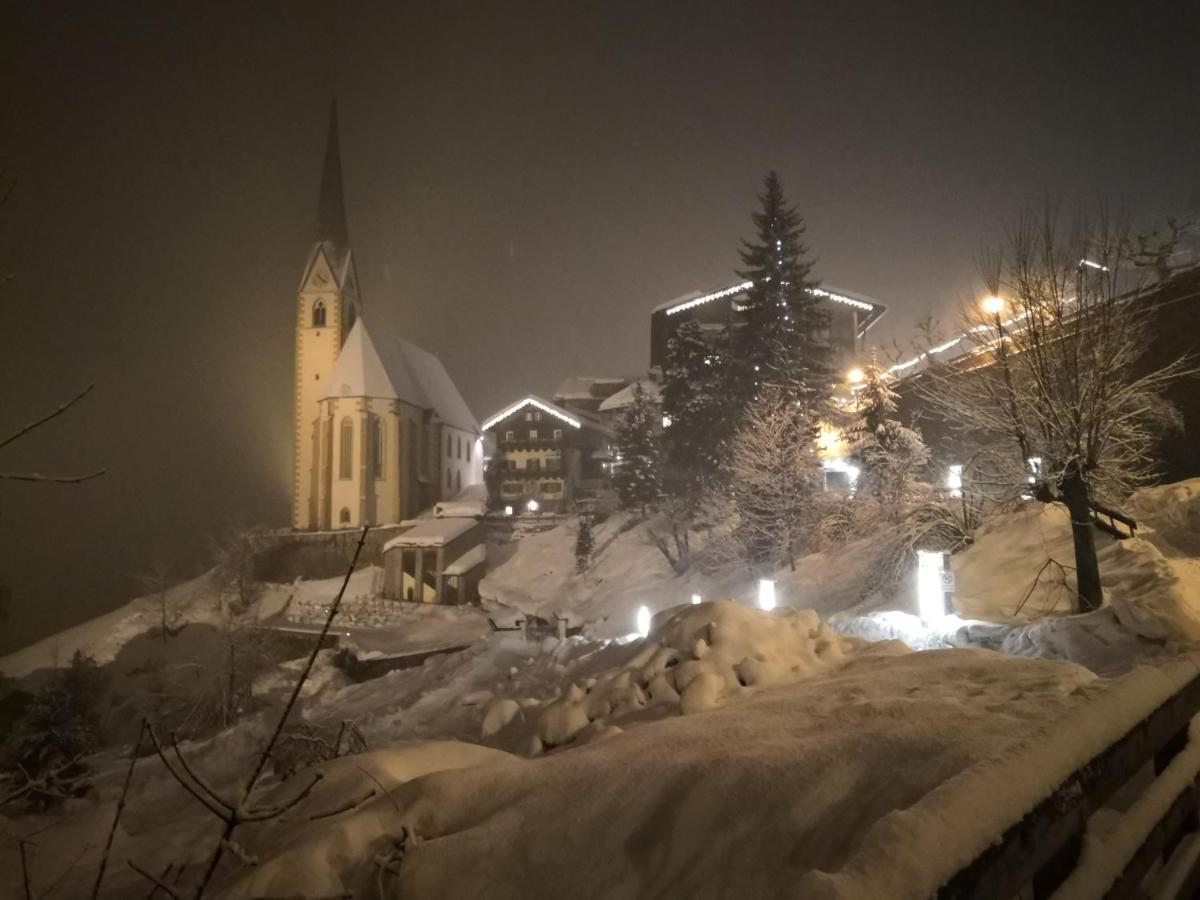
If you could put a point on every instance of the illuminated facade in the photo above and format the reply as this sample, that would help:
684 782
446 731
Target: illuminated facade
547 455
380 430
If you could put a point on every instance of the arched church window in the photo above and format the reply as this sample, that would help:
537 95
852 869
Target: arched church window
346 450
377 446
318 314
344 516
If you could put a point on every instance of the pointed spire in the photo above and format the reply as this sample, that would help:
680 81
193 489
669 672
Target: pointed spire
331 204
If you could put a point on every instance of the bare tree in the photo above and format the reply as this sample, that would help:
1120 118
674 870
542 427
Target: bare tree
774 480
1056 396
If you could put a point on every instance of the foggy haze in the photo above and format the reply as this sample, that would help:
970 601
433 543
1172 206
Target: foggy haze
524 183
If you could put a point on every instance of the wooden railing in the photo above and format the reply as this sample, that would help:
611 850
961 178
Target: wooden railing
1037 854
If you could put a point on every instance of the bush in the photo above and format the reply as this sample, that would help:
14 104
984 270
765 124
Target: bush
41 759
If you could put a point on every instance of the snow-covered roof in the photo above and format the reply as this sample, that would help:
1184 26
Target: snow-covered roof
572 417
398 369
432 533
624 397
587 387
692 299
470 501
476 556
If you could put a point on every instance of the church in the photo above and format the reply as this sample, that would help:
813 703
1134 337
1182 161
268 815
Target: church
381 433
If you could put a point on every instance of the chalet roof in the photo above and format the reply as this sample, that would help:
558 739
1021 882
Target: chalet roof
872 308
396 369
624 397
572 417
587 387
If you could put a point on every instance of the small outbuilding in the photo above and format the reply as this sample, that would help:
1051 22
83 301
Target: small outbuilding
436 561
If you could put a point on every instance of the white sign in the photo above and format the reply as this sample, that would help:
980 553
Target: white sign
947 580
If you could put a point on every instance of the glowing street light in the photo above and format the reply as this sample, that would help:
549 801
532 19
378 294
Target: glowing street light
856 376
993 305
532 506
695 599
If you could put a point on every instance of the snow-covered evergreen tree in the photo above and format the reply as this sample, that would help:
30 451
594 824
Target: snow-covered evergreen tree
584 543
889 455
695 405
774 479
781 343
638 478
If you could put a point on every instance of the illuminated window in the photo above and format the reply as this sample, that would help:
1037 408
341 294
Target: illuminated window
318 314
346 450
510 435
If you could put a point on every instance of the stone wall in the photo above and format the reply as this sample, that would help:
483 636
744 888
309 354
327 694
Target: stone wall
282 557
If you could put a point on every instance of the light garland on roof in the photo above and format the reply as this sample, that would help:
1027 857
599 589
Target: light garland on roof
715 295
746 285
529 401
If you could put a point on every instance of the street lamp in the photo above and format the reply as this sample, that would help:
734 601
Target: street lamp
855 376
993 305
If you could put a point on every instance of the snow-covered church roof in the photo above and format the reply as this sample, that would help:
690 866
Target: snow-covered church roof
396 369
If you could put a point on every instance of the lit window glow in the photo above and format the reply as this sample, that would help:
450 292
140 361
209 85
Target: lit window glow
532 506
508 510
695 599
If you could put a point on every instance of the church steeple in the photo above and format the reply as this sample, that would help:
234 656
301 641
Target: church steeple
331 202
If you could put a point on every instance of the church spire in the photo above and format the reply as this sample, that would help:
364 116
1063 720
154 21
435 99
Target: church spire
331 203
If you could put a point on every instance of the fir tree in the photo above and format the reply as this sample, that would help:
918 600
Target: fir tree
694 403
639 476
888 454
781 341
584 543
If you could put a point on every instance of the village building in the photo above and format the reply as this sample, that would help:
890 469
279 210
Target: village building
850 316
380 430
548 457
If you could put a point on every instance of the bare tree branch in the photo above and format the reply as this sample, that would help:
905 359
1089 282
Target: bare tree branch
37 423
158 883
133 757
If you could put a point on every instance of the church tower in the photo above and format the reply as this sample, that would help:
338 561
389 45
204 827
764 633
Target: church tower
327 306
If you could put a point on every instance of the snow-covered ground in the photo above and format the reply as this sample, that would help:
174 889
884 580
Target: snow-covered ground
730 752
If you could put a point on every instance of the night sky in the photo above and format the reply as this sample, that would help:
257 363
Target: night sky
524 182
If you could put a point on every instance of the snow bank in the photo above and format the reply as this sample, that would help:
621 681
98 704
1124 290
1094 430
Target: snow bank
790 788
696 658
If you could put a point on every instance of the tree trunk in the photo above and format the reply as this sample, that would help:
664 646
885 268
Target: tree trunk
1087 567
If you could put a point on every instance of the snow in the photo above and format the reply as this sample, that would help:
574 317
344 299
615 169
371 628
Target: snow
471 501
1113 837
104 636
880 777
359 371
476 556
432 533
588 387
624 397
